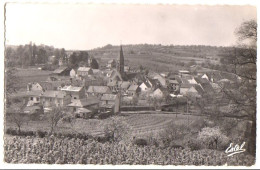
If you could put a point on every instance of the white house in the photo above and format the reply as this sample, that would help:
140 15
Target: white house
73 73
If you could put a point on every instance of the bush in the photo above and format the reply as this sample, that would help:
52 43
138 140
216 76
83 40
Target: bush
194 144
140 142
41 134
10 131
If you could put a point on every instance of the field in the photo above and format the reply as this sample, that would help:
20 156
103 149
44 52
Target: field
141 124
159 58
30 75
52 150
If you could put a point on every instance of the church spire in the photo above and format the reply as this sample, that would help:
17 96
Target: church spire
121 61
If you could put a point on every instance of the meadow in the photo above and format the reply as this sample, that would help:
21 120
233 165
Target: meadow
142 125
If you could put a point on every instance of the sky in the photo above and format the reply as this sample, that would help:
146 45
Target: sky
87 26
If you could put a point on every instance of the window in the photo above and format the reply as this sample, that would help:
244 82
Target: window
75 97
37 99
31 98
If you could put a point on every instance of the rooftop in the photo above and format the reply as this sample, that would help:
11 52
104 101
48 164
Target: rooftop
98 89
71 88
53 94
84 68
84 102
133 88
109 97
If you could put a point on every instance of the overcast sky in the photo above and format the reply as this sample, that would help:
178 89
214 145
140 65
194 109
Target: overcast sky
85 26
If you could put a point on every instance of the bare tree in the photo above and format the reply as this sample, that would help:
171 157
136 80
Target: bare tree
19 120
53 117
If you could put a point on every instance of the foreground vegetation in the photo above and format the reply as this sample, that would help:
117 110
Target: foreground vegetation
77 151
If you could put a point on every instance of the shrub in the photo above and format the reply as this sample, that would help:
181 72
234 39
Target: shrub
41 134
140 142
213 138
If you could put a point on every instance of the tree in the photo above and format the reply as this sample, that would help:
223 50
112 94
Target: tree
212 136
94 64
19 119
11 81
117 129
53 117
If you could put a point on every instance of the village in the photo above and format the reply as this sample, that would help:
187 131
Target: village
86 92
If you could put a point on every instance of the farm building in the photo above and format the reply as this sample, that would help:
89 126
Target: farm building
110 102
61 71
145 86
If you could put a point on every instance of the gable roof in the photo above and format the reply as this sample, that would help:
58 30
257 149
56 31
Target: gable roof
84 102
86 69
111 61
201 80
60 70
146 84
98 89
133 87
53 94
198 88
71 88
186 86
109 97
173 81
125 84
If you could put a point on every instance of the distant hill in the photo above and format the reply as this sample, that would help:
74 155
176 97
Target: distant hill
159 57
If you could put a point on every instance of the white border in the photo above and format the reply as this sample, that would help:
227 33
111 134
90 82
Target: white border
166 2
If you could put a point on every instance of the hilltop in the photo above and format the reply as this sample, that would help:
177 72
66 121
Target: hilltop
160 57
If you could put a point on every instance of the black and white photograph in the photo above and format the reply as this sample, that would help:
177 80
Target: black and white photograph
110 84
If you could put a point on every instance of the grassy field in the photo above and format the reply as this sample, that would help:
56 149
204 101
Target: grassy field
30 75
141 124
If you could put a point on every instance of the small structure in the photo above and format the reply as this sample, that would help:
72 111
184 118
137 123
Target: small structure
110 102
61 71
159 93
84 71
184 88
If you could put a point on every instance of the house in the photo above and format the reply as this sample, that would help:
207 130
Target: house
61 71
110 102
124 85
33 110
133 90
154 83
74 92
111 64
184 88
195 91
97 72
73 73
145 86
161 79
54 98
126 68
183 72
84 71
34 86
31 98
98 91
159 93
90 103
114 75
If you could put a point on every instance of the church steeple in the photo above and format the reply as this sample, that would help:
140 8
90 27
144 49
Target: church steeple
121 61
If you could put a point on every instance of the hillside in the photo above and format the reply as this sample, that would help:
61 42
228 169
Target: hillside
161 58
